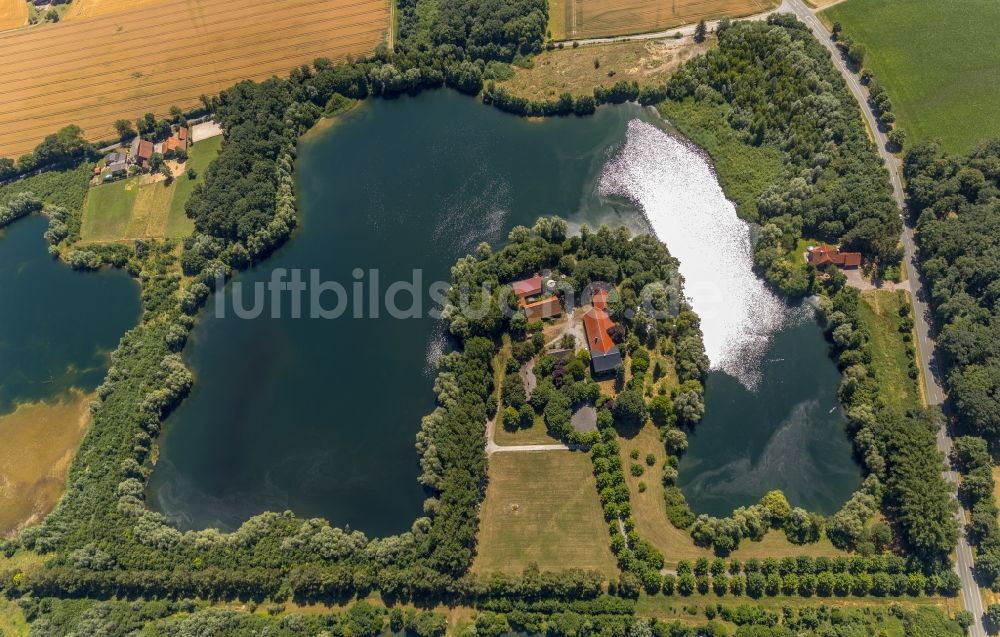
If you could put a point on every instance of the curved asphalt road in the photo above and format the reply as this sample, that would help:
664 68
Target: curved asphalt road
971 598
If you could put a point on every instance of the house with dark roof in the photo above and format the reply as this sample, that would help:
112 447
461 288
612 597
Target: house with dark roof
597 323
823 255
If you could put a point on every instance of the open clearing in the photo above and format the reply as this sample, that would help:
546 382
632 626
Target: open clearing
880 315
13 14
572 70
572 19
942 85
543 508
134 209
133 68
40 440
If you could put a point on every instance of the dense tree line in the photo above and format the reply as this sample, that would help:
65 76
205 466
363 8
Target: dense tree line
956 201
782 90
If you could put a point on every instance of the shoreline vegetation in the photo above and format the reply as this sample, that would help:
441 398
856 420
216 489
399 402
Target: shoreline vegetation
102 542
40 441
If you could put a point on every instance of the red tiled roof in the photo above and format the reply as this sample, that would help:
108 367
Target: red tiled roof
528 287
173 143
542 308
822 255
600 298
182 133
145 150
596 322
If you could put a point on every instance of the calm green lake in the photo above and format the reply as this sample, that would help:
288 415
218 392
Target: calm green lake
788 434
57 326
319 415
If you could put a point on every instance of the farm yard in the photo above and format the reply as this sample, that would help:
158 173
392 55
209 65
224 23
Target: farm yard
142 207
13 14
51 80
944 87
571 19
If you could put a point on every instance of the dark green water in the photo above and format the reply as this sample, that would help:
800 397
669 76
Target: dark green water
787 435
57 326
319 416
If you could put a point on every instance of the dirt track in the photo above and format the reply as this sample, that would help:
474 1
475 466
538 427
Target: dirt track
93 71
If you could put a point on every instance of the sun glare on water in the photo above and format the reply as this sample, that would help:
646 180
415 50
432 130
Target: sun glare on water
677 190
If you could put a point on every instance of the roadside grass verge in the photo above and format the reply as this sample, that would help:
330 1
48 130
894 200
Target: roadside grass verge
942 84
542 508
744 171
880 316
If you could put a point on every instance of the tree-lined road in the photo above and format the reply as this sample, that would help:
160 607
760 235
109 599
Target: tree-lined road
971 598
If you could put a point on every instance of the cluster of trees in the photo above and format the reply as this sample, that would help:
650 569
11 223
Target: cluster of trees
62 149
753 522
956 201
188 618
21 205
783 91
635 555
970 455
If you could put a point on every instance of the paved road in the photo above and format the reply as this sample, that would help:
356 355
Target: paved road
971 598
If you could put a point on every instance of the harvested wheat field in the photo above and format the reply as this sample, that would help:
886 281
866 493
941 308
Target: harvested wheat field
605 18
91 8
120 65
13 14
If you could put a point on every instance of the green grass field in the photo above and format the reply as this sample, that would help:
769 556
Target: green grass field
129 210
744 171
108 210
880 315
543 508
936 62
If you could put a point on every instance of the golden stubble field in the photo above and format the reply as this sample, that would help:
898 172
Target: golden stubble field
92 71
13 14
571 19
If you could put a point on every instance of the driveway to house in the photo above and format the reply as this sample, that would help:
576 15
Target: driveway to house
971 598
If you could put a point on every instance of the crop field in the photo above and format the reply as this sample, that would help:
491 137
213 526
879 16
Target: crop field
137 208
13 14
543 508
120 65
91 8
571 19
944 84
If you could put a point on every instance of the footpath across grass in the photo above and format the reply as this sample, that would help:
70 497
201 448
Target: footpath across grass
542 507
939 62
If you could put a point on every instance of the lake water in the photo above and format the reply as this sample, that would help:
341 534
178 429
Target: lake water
772 420
319 416
57 326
